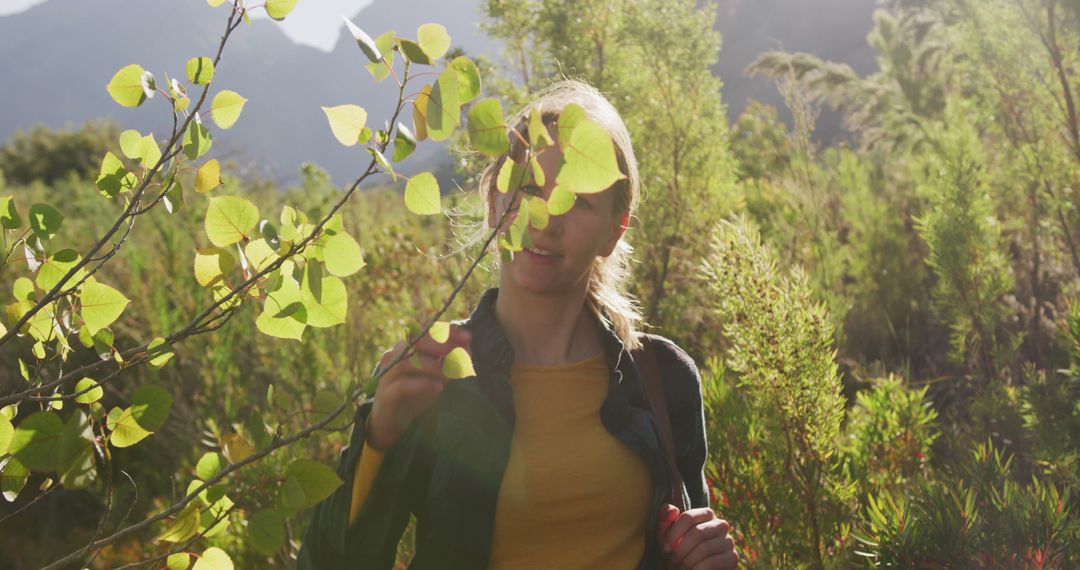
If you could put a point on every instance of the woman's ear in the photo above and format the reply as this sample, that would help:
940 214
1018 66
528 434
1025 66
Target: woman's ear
617 231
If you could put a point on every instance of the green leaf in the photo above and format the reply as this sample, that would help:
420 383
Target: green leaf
183 527
385 164
38 441
315 481
413 52
211 265
511 176
420 112
125 430
277 9
226 108
9 216
90 390
404 143
422 194
159 352
230 219
210 464
126 86
197 140
200 70
538 213
385 45
367 45
101 305
325 402
433 39
283 315
259 254
440 331
143 149
487 128
208 176
324 297
45 220
174 196
181 560
346 122
342 255
114 178
569 118
458 364
76 465
539 136
23 289
56 266
7 433
537 171
213 4
13 476
150 406
589 163
267 531
444 110
560 201
468 78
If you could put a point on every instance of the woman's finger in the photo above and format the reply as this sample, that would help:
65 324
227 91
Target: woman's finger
712 547
697 535
684 523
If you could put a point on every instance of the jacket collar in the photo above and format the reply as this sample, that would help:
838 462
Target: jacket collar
494 355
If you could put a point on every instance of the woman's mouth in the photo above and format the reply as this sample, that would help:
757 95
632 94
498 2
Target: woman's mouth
540 252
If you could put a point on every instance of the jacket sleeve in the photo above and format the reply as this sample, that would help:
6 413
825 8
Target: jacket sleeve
687 413
330 542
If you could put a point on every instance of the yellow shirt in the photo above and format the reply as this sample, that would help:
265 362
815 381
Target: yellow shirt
572 495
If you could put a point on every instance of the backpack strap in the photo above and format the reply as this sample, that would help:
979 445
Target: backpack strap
645 358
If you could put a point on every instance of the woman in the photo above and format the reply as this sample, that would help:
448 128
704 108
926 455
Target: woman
549 457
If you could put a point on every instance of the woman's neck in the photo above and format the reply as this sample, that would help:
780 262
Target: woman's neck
547 329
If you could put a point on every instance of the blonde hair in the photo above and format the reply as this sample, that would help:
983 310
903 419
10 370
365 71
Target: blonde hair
607 297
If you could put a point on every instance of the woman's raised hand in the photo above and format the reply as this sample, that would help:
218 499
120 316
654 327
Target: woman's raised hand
410 387
697 539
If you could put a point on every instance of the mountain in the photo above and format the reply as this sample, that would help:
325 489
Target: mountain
56 58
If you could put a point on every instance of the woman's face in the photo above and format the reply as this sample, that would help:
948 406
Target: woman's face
562 253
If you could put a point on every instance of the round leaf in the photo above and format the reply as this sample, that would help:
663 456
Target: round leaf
440 331
560 201
38 441
420 111
200 70
7 433
210 464
126 432
324 297
589 161
126 86
444 110
385 44
404 143
230 219
277 9
13 476
468 79
267 531
346 122
367 45
211 265
197 140
315 480
56 266
89 391
208 176
159 352
9 216
283 315
181 560
422 194
226 108
101 305
487 128
433 39
45 220
150 406
414 53
342 255
458 364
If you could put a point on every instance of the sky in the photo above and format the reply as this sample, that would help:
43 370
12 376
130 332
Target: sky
315 23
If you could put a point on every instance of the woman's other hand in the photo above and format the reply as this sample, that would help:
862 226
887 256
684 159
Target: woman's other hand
697 539
410 387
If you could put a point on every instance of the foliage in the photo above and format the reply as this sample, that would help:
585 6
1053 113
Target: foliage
42 154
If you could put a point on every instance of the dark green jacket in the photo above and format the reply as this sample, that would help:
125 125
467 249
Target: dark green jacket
448 467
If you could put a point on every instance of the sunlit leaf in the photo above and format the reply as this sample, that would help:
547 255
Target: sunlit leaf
367 45
200 70
422 194
9 216
13 476
126 86
143 149
211 265
101 305
420 111
114 178
539 136
385 45
346 122
259 254
56 266
208 176
433 39
230 219
7 433
226 108
440 331
487 128
444 110
183 527
511 176
342 255
458 364
283 314
89 391
159 352
181 560
324 296
235 448
125 430
560 201
197 140
468 78
413 52
209 465
278 9
589 163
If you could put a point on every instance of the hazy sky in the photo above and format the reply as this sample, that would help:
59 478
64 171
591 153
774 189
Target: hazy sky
316 23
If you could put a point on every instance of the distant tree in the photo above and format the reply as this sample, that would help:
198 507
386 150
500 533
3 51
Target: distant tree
47 155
